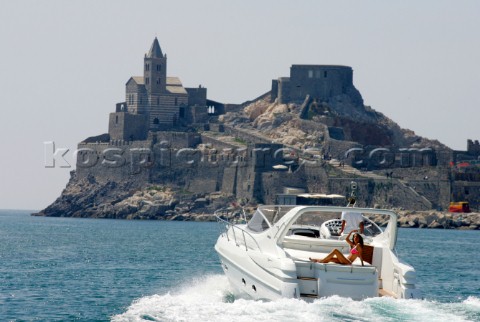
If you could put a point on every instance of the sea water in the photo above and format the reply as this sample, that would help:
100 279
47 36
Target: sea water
65 269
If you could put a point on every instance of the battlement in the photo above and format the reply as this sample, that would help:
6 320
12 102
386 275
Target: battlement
473 147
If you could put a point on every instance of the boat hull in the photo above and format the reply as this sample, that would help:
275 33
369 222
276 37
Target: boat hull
307 280
249 279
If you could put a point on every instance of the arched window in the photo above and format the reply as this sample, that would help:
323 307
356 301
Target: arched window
159 67
156 121
158 80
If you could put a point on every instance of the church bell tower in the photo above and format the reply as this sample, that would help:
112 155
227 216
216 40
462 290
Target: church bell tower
155 70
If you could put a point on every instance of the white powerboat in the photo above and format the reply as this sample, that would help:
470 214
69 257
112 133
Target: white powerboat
268 257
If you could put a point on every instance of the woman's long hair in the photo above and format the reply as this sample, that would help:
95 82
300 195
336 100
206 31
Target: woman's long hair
360 239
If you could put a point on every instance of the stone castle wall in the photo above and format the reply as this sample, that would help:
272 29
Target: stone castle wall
175 139
172 159
245 135
115 161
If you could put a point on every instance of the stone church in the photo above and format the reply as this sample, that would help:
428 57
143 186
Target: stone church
156 102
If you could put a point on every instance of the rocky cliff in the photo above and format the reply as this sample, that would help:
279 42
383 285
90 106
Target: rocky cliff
323 124
88 198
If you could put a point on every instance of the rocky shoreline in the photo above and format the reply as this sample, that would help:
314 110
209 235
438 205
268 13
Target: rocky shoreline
87 198
435 220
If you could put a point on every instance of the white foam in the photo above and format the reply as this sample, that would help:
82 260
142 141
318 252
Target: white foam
207 299
473 301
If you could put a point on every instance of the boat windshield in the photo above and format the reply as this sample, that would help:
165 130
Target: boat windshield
266 216
316 218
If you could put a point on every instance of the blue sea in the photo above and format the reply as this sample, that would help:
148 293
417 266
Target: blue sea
64 269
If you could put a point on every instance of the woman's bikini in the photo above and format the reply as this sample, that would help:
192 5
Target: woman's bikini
353 251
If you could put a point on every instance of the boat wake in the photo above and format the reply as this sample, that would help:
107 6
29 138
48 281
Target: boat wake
210 298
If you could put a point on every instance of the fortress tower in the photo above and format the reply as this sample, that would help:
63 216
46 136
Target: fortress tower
320 82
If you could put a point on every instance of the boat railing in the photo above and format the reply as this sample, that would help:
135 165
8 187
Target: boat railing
238 234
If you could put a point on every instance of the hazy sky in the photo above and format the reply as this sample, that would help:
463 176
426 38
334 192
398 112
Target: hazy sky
64 65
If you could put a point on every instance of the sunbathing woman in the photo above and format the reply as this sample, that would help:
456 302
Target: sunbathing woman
336 256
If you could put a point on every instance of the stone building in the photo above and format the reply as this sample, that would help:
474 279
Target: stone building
320 82
156 101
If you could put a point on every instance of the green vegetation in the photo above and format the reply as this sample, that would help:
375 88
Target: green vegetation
156 188
240 140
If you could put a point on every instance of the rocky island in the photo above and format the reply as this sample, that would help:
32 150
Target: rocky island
172 153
